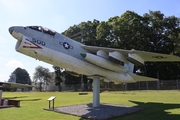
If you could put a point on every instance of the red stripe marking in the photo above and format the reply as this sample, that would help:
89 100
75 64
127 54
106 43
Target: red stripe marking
36 46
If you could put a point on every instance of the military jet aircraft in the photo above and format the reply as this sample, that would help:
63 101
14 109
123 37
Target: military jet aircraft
111 64
8 85
11 83
54 48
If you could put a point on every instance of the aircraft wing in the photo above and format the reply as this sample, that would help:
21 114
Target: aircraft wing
14 85
140 56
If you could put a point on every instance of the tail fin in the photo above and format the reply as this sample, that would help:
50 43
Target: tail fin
129 67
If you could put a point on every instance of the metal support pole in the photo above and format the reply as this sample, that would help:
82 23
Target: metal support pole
145 72
53 103
147 86
82 85
139 86
49 104
96 91
177 83
158 82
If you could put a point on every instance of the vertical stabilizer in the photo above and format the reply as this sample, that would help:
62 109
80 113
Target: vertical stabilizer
129 67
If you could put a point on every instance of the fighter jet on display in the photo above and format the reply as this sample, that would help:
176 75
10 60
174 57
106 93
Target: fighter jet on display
8 85
114 65
11 83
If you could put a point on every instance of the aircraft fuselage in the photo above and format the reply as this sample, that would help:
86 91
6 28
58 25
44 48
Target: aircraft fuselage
56 49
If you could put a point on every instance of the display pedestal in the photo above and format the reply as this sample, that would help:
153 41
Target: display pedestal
96 91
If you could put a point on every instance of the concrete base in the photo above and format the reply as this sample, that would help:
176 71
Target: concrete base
104 112
96 91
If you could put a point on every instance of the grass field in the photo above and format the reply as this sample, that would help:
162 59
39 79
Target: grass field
159 105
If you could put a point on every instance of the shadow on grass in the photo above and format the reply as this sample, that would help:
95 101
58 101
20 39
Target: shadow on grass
125 93
35 99
151 111
154 111
121 93
31 99
15 97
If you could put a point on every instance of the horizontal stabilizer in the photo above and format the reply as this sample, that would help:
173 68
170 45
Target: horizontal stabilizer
139 78
143 56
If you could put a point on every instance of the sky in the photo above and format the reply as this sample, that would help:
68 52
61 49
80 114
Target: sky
59 15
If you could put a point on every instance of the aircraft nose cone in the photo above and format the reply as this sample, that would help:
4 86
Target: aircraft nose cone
15 32
10 30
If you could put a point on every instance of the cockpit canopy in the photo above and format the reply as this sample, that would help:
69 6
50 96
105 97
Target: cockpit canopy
43 29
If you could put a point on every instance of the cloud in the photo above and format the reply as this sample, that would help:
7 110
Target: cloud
14 64
1 58
13 6
2 40
3 77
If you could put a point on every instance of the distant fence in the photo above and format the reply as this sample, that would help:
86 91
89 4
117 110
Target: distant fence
153 85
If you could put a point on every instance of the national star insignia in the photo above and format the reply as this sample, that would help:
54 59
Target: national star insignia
66 45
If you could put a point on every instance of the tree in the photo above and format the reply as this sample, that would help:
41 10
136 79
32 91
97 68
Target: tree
71 80
87 83
22 76
125 32
58 79
104 37
84 32
41 76
163 32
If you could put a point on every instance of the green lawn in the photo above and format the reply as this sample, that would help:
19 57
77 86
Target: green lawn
159 105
